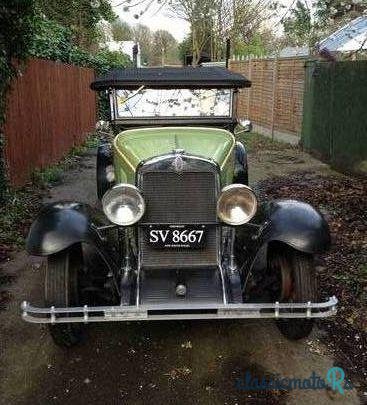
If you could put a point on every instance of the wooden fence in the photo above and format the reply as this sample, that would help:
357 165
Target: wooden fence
275 99
50 109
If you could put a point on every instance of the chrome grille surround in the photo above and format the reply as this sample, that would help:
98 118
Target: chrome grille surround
179 189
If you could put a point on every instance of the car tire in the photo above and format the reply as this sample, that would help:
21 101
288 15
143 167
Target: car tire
104 160
298 284
61 290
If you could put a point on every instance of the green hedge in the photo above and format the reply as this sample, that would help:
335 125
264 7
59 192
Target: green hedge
53 41
16 32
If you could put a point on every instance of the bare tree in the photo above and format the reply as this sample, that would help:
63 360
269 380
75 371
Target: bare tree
199 14
165 48
239 20
216 20
212 21
121 30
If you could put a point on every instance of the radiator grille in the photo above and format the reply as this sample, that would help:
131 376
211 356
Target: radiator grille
179 198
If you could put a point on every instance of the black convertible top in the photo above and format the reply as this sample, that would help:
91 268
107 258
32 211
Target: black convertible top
170 78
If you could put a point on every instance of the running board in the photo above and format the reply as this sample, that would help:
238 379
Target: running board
88 314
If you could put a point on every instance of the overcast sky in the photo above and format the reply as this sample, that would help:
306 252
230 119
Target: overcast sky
156 18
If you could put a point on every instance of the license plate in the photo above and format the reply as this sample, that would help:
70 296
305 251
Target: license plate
177 236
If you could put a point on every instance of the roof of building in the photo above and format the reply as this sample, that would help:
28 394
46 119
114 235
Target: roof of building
170 78
350 37
294 51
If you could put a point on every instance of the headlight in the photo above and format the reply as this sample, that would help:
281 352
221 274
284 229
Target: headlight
237 204
123 204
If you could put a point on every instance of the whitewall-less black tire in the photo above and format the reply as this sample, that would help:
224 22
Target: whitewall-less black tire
298 284
61 290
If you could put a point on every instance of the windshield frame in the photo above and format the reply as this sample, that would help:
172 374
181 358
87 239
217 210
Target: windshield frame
159 120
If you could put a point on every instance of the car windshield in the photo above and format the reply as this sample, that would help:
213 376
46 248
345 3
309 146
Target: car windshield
177 103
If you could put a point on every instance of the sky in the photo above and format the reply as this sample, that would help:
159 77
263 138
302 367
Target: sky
156 18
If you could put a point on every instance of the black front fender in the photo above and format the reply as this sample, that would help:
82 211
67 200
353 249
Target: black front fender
291 222
60 225
296 224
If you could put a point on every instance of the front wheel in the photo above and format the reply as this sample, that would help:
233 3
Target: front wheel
62 290
296 281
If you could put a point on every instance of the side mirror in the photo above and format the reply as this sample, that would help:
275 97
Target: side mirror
246 125
102 126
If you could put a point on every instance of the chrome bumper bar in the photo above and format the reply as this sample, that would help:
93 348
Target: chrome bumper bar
88 314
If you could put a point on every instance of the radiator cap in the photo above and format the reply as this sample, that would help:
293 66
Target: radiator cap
181 290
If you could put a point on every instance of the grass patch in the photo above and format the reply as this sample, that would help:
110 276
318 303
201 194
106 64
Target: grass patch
49 175
16 216
91 142
255 142
52 175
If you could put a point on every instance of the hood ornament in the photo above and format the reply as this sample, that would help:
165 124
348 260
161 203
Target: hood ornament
178 163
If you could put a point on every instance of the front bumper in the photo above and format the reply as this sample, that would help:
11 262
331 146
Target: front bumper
88 314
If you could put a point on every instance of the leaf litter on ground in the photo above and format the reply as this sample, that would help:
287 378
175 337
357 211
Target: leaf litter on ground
342 271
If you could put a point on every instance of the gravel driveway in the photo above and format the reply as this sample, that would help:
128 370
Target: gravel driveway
196 362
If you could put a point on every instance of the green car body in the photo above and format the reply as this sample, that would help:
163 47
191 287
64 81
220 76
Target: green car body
183 236
131 147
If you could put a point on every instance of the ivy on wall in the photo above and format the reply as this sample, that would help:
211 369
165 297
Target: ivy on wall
26 32
54 41
16 22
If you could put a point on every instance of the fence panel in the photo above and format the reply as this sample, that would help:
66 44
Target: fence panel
275 99
325 101
50 109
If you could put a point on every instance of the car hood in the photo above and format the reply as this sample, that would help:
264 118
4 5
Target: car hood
137 145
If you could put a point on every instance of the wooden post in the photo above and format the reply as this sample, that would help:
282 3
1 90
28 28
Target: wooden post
274 95
291 121
249 90
261 113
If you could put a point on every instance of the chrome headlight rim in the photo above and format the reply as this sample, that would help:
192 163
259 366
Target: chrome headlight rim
117 191
222 195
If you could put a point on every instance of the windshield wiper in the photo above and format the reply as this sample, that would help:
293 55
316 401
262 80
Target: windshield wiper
134 94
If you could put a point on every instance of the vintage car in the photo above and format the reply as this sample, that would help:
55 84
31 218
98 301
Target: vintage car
182 235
